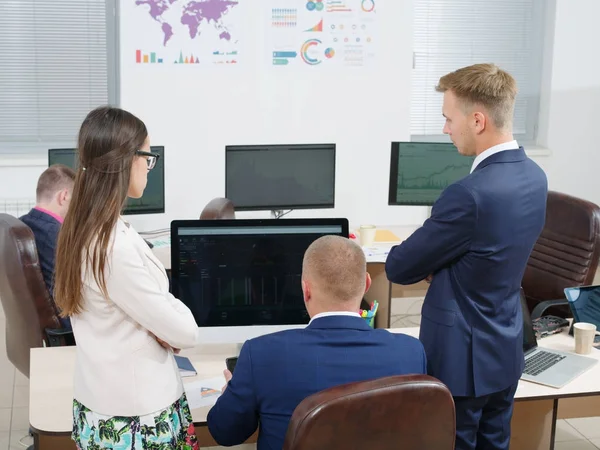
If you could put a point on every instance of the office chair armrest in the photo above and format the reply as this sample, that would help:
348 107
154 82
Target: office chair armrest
541 307
59 337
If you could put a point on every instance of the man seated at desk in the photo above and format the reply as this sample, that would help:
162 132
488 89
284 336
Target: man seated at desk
53 195
275 372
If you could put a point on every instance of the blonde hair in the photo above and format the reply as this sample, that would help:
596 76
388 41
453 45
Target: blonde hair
486 85
53 179
338 268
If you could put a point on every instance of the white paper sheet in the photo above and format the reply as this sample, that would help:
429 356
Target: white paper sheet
204 392
377 253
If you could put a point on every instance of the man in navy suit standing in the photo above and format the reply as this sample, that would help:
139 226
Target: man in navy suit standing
53 195
275 372
474 249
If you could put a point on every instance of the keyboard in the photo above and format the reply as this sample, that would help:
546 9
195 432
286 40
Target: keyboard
540 362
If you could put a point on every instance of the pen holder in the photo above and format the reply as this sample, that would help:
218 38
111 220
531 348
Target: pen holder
369 314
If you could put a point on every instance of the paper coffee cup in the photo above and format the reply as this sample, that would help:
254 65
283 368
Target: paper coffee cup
367 235
584 337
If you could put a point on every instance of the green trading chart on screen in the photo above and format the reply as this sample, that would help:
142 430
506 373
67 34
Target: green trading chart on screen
420 171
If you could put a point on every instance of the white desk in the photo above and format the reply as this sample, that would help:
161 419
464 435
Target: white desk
533 426
51 392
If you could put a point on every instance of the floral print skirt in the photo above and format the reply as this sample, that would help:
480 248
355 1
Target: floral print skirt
171 428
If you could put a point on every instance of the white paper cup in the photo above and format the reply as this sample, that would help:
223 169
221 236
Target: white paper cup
584 337
367 235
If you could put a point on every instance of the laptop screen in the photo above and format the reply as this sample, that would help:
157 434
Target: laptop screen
529 340
585 304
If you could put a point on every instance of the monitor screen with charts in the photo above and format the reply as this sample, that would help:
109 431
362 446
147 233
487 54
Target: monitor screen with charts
244 272
277 177
420 171
584 302
153 200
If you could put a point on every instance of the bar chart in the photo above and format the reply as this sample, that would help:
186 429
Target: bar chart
147 58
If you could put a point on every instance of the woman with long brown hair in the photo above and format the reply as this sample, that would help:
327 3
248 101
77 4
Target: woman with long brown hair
127 390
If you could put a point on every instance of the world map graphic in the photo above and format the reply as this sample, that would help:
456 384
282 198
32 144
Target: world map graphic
193 15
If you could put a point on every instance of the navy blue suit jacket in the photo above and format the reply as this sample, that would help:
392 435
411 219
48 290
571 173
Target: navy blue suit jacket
476 244
45 230
275 372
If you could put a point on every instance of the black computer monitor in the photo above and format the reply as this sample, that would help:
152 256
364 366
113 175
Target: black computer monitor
233 273
277 177
153 200
420 171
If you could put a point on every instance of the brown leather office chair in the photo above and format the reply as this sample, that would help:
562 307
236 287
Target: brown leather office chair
218 208
31 317
565 255
408 412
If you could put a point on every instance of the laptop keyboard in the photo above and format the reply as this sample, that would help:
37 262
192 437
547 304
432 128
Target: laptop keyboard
540 362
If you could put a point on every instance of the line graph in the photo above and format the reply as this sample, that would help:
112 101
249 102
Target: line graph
436 180
425 169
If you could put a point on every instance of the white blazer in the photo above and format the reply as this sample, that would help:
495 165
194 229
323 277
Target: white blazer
121 370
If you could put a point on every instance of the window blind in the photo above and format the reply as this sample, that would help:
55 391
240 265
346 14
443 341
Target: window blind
449 34
53 59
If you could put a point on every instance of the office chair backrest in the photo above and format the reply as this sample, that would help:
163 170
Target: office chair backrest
566 253
408 412
218 208
25 299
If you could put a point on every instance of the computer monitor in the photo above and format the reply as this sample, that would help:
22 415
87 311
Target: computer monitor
584 302
278 177
153 200
241 278
420 171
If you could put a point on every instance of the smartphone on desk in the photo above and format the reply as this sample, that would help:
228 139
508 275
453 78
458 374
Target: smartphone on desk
230 363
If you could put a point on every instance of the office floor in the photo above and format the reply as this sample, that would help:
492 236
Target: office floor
573 434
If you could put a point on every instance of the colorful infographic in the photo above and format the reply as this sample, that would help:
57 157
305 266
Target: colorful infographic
187 32
340 33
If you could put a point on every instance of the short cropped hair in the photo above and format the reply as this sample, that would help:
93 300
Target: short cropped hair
338 268
486 85
53 179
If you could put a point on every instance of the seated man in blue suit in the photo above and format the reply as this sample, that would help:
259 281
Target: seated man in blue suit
275 372
474 249
53 195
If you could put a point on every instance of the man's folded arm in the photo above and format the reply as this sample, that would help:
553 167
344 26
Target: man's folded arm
443 238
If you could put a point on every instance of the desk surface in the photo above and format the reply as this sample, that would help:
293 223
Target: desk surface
51 383
588 383
51 380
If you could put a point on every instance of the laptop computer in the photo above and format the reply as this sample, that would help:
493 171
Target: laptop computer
584 302
545 366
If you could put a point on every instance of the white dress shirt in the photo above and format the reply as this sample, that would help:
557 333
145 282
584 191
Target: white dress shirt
512 145
120 368
334 313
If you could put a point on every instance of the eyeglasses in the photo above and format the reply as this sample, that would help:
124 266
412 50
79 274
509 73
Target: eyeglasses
151 158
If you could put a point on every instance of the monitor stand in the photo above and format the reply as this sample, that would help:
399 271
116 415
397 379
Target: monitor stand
279 213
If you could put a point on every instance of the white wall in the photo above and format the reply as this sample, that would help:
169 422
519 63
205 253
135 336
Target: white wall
362 112
572 110
196 112
19 175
